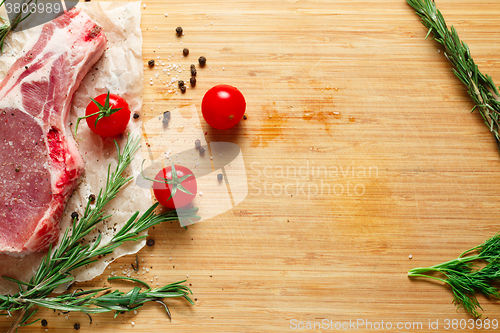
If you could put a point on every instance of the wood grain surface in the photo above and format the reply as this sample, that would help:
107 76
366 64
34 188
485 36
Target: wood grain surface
360 150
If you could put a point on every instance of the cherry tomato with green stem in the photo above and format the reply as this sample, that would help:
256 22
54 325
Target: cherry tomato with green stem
175 186
107 115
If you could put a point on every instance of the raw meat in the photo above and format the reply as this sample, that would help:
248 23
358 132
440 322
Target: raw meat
39 161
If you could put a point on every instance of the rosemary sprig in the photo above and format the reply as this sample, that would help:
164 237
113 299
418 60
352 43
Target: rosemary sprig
4 28
480 86
7 26
55 268
465 278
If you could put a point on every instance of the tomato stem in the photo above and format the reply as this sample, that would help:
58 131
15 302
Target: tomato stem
175 182
84 117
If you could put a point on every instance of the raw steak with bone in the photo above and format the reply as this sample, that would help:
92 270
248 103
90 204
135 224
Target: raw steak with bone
39 161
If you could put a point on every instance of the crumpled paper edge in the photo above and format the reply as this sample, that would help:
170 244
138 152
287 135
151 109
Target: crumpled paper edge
123 75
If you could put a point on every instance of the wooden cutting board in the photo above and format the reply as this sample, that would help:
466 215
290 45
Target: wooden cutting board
360 151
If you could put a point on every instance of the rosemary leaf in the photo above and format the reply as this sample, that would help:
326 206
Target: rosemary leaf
7 26
55 269
481 87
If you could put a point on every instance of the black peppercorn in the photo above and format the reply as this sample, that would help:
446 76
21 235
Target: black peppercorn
150 242
92 199
44 323
193 71
180 83
178 30
197 143
202 60
166 117
74 215
185 51
77 326
183 89
202 151
219 177
136 115
245 117
192 81
151 63
18 169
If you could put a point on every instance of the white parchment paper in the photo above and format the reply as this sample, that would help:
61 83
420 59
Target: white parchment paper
120 71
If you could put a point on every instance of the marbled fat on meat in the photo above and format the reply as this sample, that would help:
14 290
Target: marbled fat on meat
39 161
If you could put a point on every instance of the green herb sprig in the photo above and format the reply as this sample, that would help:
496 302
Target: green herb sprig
480 86
466 278
7 26
55 268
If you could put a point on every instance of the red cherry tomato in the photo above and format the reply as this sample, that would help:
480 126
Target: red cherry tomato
178 183
109 125
223 106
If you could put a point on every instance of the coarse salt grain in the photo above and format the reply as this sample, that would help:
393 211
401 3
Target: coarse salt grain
166 14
